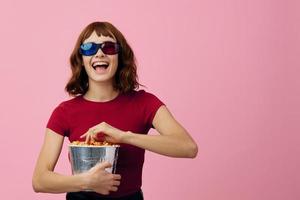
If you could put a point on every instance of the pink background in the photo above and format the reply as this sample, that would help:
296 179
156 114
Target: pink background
227 69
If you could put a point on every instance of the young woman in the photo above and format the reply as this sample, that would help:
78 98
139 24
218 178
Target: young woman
107 105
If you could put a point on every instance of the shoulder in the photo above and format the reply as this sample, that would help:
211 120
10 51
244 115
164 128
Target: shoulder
141 94
67 104
144 98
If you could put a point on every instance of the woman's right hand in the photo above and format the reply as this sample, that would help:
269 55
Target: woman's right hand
101 181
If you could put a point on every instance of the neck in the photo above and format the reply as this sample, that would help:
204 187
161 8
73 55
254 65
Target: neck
100 92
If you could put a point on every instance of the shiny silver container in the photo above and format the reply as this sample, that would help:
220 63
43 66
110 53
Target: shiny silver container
84 157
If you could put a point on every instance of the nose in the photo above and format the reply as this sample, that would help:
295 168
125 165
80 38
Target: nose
99 53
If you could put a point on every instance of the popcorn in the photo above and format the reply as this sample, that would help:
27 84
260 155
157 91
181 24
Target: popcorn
92 143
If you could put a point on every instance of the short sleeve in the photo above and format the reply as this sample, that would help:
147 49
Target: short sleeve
58 121
151 104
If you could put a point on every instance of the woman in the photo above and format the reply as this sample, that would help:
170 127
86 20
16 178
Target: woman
107 106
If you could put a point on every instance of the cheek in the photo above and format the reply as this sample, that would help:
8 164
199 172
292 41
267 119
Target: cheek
114 61
86 64
85 60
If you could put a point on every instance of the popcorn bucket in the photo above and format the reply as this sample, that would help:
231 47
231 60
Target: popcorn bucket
84 157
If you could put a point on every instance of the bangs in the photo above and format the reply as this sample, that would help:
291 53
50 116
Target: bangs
100 29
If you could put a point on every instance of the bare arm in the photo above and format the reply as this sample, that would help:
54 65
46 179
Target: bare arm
173 140
46 180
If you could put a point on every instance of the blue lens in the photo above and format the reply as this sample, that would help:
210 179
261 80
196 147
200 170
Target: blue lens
86 46
88 49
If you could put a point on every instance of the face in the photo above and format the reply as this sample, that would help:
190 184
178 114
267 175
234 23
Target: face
100 67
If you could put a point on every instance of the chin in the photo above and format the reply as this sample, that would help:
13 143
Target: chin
102 79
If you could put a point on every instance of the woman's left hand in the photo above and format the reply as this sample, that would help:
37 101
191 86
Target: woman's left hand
105 132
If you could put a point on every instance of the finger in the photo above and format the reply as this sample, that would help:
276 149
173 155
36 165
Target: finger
113 188
108 139
116 183
104 165
84 135
94 137
100 166
117 177
103 192
86 139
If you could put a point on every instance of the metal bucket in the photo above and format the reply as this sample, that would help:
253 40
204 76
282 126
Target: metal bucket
83 158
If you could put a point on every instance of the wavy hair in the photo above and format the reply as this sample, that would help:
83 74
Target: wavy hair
126 78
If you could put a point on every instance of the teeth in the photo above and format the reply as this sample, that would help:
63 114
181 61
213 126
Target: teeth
99 63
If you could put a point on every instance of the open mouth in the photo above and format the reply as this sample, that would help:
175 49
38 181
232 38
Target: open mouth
100 66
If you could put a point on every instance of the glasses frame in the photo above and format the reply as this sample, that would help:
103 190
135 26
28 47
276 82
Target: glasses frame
94 48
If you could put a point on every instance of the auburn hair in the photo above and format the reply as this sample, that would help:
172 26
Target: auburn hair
126 78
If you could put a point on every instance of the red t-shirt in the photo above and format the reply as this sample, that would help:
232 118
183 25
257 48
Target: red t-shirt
132 111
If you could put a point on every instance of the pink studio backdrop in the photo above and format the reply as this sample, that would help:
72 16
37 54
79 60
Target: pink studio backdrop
228 70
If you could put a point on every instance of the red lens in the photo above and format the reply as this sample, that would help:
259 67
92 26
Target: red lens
110 48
